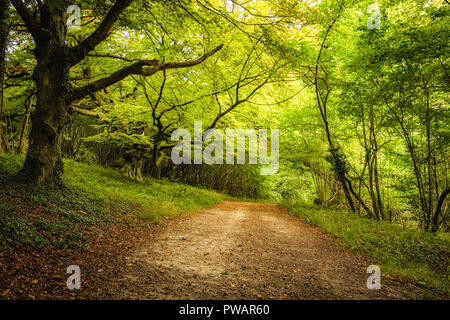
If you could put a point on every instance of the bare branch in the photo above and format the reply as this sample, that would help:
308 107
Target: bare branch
90 113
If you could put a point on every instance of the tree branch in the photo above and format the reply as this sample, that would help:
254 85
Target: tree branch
100 55
101 33
27 17
144 67
90 114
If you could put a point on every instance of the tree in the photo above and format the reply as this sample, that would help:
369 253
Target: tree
46 21
414 97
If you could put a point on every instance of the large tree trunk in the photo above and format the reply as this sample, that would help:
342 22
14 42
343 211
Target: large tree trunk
43 164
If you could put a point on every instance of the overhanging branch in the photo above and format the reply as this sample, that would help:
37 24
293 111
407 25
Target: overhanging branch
143 67
101 33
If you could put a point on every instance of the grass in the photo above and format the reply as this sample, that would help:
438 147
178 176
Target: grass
401 251
153 198
62 218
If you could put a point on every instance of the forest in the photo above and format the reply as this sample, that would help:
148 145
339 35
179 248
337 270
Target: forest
340 114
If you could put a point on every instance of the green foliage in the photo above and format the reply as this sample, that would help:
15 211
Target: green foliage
10 164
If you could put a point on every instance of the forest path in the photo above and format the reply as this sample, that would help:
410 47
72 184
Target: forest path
240 250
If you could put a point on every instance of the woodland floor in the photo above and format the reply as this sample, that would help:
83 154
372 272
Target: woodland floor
235 250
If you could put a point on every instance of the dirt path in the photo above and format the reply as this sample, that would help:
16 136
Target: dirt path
240 250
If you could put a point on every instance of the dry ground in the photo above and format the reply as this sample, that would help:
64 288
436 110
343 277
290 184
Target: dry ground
240 250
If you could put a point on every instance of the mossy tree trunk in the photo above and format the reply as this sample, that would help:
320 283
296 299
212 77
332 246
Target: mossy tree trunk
43 163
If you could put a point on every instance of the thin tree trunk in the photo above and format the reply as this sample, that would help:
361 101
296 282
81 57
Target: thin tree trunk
430 185
361 201
377 186
417 173
366 156
3 42
377 197
322 100
437 213
371 188
23 132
